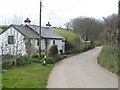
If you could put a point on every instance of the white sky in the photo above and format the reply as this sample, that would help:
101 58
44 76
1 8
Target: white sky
64 10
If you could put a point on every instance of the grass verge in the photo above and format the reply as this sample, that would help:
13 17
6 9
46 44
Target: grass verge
108 58
32 75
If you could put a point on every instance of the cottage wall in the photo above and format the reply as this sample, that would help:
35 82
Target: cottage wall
20 47
17 48
59 43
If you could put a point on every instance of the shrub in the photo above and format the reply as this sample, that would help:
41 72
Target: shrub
53 51
75 50
36 60
50 60
35 55
68 46
61 57
22 60
6 64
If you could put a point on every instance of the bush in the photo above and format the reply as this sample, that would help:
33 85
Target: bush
36 60
53 51
35 55
60 57
50 60
6 65
75 50
68 46
22 60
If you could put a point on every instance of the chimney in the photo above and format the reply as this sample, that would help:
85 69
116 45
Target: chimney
27 21
48 24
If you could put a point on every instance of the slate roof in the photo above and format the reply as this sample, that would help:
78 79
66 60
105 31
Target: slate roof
46 32
26 31
32 31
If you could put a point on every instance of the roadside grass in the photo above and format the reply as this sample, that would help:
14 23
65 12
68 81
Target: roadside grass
0 80
33 75
108 58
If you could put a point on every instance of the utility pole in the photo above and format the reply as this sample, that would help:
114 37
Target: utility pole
40 29
119 22
118 39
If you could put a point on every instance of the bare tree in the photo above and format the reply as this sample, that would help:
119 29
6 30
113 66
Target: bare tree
68 25
88 28
112 31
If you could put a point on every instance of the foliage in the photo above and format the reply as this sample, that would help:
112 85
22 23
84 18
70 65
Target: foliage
53 51
22 60
88 28
61 57
82 48
15 61
72 39
35 55
50 60
108 58
32 75
68 46
6 64
111 26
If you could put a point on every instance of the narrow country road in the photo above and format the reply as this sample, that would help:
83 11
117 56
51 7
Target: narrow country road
82 71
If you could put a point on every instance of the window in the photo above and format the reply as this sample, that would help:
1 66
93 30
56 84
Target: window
10 39
53 41
29 41
37 42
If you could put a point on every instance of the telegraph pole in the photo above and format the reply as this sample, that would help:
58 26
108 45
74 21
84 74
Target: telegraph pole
40 29
118 42
119 22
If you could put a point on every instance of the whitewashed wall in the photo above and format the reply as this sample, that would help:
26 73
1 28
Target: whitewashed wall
59 43
19 44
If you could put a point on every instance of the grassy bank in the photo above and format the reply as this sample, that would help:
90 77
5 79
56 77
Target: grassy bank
66 34
0 80
74 44
108 58
2 27
32 75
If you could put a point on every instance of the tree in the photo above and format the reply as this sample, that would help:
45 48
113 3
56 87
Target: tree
88 28
68 25
111 26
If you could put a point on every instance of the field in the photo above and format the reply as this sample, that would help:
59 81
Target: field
66 34
109 58
2 26
33 75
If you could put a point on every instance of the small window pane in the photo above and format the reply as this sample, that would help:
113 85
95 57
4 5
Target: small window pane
53 41
10 39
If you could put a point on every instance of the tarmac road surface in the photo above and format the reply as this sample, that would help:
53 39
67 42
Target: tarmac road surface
82 71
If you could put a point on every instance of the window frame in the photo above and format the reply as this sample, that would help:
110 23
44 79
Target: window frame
11 39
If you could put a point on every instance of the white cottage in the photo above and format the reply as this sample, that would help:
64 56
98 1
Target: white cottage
18 39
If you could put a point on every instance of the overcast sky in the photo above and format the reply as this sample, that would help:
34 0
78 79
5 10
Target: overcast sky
57 12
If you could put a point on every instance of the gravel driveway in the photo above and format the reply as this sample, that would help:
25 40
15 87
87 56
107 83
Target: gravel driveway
82 71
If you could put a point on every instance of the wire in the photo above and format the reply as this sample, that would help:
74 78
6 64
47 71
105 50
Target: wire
52 13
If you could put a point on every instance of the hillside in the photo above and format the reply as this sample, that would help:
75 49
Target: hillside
66 34
2 27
